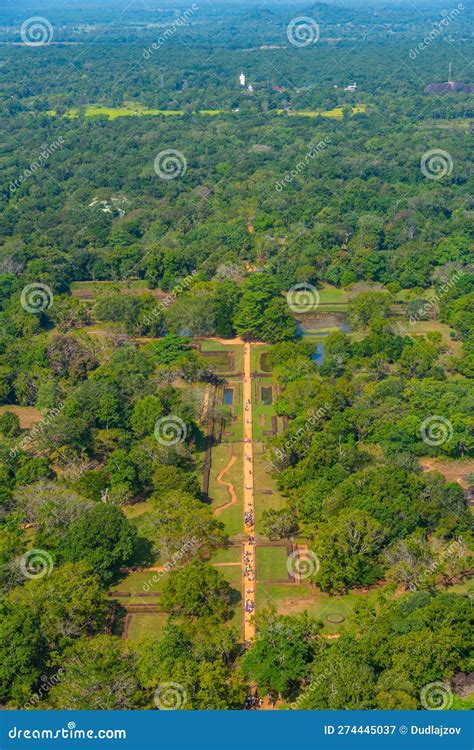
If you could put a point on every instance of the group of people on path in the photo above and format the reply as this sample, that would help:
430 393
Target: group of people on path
249 572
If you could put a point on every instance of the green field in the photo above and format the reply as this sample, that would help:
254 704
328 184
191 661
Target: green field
264 480
336 113
255 356
210 345
231 517
132 109
146 625
271 564
137 583
292 599
332 295
227 555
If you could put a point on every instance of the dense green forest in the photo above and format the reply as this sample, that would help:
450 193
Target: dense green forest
149 202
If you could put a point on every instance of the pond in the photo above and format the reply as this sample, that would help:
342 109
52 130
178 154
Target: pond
228 396
318 355
267 395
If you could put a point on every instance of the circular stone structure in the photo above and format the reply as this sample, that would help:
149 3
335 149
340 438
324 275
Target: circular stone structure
335 618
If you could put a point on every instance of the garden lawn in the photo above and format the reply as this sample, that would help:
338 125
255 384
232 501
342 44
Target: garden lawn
264 480
271 564
292 599
146 625
231 517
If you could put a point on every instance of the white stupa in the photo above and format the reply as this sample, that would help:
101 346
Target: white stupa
242 79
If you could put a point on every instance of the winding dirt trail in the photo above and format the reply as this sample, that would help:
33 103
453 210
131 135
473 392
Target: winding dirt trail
229 485
248 559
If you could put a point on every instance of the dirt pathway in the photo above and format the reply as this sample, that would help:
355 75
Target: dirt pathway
248 558
229 485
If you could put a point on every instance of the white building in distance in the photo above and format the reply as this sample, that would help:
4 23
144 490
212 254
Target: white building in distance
242 79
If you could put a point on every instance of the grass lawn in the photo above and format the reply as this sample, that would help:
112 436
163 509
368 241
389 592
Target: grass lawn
233 575
227 555
255 356
139 582
134 109
422 327
218 362
146 626
90 289
293 599
128 110
231 517
336 113
331 294
208 345
234 429
263 480
137 510
271 564
261 411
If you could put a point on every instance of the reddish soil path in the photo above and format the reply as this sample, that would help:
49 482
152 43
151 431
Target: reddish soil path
248 561
229 485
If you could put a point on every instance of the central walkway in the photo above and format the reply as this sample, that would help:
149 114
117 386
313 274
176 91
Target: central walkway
248 562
